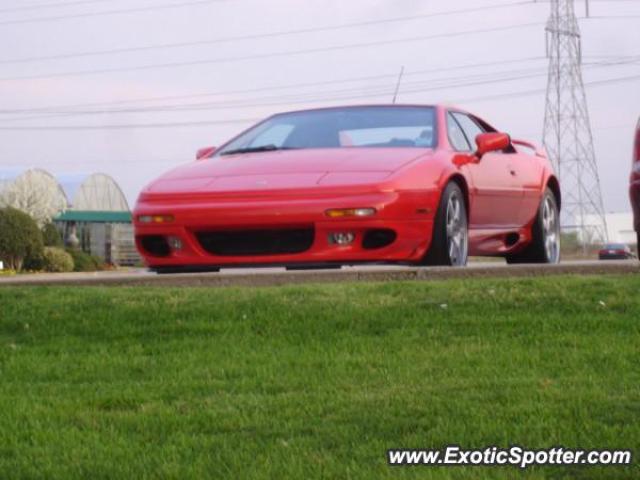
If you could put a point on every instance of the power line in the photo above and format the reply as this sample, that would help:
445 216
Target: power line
310 97
69 108
366 23
537 91
51 5
382 91
234 59
133 125
109 12
524 93
614 17
314 97
276 87
593 1
348 94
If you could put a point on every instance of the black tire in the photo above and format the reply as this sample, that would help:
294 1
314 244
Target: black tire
441 252
545 245
169 270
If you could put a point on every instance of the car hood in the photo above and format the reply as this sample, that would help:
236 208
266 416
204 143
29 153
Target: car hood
287 169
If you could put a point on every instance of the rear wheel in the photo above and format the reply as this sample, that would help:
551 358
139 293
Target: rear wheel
450 238
545 245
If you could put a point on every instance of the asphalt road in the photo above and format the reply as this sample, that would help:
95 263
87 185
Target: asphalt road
279 276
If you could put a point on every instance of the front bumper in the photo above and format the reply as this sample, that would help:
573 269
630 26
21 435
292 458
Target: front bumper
409 214
634 192
611 256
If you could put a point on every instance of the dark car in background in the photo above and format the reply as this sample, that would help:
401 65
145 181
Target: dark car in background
615 251
635 183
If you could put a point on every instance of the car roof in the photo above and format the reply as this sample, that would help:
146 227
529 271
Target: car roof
371 105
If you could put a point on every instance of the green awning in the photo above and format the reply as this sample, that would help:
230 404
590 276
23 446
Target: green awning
93 217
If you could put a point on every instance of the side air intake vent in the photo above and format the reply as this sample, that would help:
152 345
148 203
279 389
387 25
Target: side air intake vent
378 238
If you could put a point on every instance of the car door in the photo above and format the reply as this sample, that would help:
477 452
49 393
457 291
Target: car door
497 195
529 172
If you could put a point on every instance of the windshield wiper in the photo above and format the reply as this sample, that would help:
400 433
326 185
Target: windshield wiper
261 148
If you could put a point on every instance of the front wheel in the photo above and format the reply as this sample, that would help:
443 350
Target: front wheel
450 237
545 243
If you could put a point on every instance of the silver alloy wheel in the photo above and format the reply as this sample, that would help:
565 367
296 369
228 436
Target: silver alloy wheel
551 230
457 239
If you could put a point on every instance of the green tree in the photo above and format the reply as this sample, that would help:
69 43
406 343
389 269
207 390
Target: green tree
51 236
20 238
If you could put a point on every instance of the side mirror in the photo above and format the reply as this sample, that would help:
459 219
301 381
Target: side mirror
491 142
206 152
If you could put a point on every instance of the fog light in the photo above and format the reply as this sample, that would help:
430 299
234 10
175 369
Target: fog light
175 243
342 238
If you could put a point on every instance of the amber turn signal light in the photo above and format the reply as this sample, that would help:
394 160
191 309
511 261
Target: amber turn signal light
155 218
350 212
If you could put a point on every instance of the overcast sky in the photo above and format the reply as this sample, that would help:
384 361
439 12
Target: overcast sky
232 69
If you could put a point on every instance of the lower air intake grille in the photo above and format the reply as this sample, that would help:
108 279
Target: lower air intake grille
155 245
256 242
378 238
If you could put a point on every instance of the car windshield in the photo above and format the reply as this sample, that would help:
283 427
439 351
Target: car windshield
615 246
371 127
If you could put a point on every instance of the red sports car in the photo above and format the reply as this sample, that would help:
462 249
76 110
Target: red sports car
423 185
635 184
615 251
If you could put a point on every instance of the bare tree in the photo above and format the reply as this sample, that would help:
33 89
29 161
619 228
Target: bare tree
35 193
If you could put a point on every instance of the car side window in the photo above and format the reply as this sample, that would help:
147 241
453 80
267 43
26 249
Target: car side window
456 135
470 128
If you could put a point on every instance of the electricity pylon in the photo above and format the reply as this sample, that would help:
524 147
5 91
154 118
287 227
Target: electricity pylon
567 130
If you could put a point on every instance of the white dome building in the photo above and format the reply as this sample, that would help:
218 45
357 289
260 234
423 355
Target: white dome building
90 211
94 193
98 219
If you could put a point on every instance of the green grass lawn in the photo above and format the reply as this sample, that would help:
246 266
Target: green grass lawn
315 381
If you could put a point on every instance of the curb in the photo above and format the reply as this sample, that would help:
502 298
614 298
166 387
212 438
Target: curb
375 274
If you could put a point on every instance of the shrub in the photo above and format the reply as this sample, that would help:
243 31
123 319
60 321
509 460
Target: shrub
20 238
34 262
57 260
83 262
51 236
99 263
